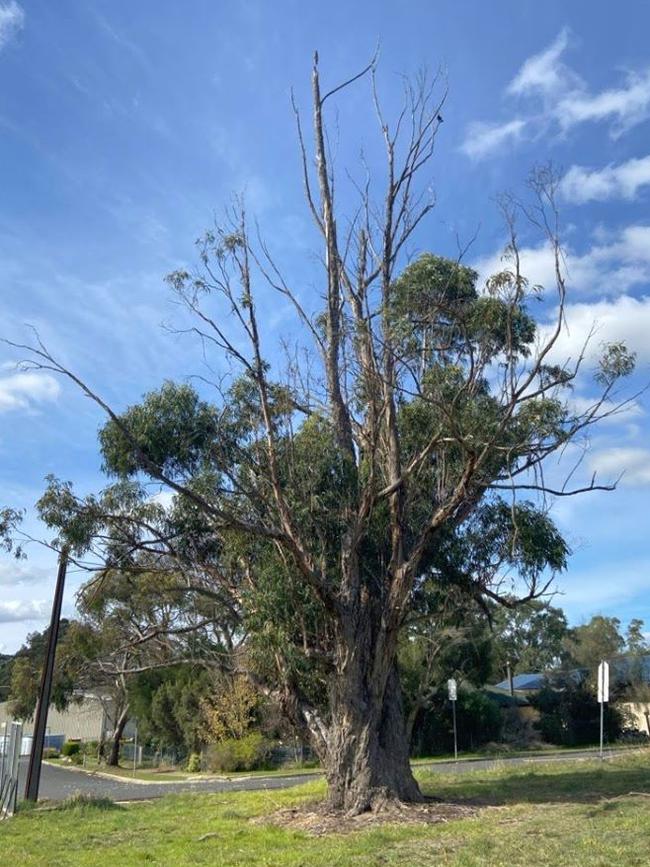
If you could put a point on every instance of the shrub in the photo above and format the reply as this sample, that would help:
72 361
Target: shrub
571 716
239 754
479 721
71 748
194 763
51 753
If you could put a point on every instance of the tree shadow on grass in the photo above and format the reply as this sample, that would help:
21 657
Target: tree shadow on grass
577 784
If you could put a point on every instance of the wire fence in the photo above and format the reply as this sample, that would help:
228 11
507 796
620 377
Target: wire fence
10 750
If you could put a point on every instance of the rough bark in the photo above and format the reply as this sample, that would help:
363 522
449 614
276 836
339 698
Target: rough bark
367 760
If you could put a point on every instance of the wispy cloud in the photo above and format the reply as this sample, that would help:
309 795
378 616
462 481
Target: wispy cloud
12 21
19 610
633 463
25 389
552 95
580 185
483 139
627 106
545 72
15 572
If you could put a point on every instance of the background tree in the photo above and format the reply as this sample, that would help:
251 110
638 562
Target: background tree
314 497
25 675
167 704
531 637
594 641
635 639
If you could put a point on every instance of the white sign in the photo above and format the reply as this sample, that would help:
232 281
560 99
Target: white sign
603 682
453 691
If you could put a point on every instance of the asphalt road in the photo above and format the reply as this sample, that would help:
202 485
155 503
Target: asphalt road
59 783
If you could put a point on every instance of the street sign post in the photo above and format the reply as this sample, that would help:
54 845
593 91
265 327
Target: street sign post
603 696
452 689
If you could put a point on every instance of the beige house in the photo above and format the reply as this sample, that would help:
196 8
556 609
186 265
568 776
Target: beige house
87 719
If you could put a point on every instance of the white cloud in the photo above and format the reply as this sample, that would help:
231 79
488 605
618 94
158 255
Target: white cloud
613 265
634 463
625 319
628 105
18 611
553 96
484 138
12 20
544 72
22 390
580 185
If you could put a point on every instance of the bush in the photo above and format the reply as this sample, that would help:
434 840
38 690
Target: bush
194 763
51 753
249 753
71 748
571 716
479 721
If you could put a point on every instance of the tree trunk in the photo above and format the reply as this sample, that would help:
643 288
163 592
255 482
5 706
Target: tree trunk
367 757
118 731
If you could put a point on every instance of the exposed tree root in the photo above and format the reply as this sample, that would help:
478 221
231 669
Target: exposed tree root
319 819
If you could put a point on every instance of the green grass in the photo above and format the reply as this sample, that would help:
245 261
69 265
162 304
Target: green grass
580 813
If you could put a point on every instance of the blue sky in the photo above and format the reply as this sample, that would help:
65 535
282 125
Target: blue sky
125 126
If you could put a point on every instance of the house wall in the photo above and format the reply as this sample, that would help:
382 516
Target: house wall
86 720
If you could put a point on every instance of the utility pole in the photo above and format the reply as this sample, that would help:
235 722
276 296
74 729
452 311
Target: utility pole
45 691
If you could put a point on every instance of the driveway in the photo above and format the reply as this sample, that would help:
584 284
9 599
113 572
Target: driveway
59 783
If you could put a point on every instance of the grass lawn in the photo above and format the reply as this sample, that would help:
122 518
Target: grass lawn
580 813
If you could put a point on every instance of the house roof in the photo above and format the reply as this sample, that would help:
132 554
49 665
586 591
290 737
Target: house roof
524 681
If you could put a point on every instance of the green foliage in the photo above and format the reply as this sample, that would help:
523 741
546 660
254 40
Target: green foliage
615 363
51 753
172 428
23 689
71 748
531 637
6 664
10 520
570 715
635 640
249 753
478 720
167 704
594 641
25 673
194 763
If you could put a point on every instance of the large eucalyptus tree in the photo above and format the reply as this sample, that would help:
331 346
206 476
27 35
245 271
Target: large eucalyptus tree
312 506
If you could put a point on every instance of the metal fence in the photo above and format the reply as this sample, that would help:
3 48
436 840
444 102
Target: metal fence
10 749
